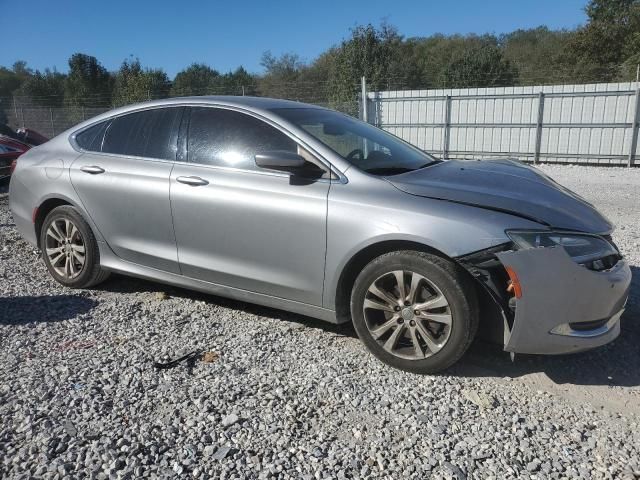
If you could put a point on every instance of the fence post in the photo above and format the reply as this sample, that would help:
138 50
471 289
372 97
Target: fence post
536 153
446 134
635 126
15 109
363 99
53 128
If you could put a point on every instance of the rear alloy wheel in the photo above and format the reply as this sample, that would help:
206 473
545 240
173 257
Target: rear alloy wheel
65 249
70 250
414 311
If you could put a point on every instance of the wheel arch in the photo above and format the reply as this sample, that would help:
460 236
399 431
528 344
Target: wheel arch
47 204
43 210
360 259
490 316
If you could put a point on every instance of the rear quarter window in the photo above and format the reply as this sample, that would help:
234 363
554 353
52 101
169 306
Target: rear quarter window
149 133
91 138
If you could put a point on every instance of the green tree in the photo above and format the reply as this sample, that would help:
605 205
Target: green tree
11 79
43 88
288 65
609 44
196 79
9 82
135 84
370 53
282 76
537 54
240 81
236 82
20 68
479 67
88 82
421 62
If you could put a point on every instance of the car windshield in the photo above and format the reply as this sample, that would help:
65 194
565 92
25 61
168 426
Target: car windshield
365 146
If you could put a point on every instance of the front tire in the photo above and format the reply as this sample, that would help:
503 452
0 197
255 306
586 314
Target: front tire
415 311
70 250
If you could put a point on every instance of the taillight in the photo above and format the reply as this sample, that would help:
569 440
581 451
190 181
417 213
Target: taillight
12 167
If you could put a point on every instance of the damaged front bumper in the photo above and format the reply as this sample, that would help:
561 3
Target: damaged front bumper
563 307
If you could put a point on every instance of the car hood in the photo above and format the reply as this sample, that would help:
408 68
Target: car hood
508 186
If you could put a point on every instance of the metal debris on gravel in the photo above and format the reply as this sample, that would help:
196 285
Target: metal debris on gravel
291 397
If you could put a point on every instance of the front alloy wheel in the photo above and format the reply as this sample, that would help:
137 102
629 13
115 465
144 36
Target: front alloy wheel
414 310
407 314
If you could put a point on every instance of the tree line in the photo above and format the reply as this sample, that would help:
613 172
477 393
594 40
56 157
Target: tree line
606 48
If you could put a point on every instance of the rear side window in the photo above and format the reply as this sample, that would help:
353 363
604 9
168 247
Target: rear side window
91 138
231 139
151 134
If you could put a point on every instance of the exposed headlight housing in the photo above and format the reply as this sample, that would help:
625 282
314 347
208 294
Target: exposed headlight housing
591 251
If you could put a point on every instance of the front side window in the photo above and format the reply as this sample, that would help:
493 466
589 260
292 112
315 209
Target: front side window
150 134
226 138
365 146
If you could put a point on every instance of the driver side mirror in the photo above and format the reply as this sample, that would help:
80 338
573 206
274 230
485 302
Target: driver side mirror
287 162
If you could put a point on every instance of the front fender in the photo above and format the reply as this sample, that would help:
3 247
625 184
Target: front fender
358 219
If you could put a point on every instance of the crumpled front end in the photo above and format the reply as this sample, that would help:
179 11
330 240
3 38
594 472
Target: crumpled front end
550 303
563 307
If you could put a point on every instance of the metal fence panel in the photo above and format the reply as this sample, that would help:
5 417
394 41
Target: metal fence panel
595 123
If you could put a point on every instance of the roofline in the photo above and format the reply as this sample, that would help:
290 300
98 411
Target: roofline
260 105
250 103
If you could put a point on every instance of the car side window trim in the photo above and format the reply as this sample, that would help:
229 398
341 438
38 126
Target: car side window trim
334 173
176 134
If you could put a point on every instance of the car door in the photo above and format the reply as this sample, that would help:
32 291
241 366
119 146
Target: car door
122 179
241 226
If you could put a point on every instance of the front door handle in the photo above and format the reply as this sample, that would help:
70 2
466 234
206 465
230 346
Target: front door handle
193 181
92 169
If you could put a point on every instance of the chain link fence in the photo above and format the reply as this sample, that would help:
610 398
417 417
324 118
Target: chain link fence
51 115
579 124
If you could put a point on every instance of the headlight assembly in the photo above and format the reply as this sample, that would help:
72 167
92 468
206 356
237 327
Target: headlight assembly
592 251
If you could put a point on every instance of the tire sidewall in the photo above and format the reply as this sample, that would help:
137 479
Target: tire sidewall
432 268
91 248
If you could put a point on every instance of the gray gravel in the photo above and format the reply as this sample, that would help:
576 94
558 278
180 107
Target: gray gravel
283 396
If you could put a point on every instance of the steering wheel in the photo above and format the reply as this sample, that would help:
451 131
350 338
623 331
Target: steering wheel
354 152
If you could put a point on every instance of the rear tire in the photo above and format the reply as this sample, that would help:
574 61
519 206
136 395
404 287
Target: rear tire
70 250
415 311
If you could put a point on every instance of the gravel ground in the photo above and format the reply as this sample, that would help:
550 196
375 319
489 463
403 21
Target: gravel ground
284 396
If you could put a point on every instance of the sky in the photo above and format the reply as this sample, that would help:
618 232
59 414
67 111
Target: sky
173 34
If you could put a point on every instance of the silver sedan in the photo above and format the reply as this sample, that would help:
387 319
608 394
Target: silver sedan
305 209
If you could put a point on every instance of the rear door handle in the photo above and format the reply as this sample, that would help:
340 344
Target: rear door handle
92 169
193 181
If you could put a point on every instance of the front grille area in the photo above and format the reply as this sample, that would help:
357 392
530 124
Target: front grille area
592 325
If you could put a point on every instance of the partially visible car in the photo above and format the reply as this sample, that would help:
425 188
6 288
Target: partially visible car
30 137
15 143
10 150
